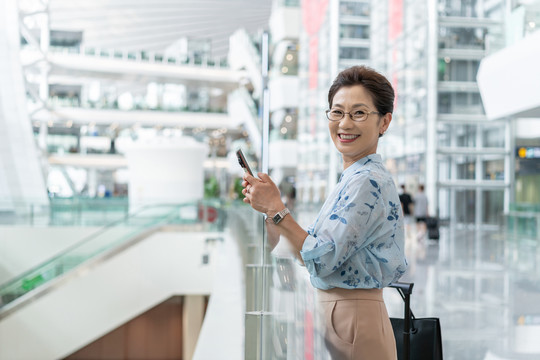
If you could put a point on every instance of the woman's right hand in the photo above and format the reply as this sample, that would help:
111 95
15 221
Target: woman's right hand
262 194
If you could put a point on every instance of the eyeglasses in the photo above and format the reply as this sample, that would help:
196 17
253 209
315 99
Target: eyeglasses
357 115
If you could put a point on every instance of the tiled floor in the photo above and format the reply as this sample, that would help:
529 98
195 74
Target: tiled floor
483 286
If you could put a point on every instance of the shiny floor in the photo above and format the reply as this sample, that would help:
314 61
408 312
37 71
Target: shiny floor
482 284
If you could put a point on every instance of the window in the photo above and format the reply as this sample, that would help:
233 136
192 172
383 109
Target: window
353 53
493 135
466 8
459 103
493 206
466 206
466 168
493 169
354 8
354 31
458 70
461 38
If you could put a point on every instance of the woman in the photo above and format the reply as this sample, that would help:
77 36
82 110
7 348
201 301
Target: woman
355 246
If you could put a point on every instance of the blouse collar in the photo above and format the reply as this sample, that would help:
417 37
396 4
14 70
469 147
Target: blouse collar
359 164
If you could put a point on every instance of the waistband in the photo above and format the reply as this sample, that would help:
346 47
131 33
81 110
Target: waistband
350 294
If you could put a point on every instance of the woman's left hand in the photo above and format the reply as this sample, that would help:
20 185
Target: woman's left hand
262 194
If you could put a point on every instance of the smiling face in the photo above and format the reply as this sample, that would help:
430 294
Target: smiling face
355 140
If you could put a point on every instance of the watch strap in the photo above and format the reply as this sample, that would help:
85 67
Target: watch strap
280 215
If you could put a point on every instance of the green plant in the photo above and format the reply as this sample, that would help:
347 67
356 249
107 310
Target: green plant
211 188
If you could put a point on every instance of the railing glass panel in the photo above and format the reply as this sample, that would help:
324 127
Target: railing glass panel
206 216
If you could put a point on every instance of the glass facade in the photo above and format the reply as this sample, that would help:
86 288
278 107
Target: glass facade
487 259
434 75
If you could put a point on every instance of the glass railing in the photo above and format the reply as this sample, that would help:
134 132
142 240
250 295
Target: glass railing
522 241
281 320
140 105
63 211
71 211
143 56
204 216
28 212
523 223
80 211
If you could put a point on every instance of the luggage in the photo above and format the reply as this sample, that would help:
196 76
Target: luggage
433 234
432 225
416 338
432 222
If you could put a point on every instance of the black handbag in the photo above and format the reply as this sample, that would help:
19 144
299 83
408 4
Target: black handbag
416 338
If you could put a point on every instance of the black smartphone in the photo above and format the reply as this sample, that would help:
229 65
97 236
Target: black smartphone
243 162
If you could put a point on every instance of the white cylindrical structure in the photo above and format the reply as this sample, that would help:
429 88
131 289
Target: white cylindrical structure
165 171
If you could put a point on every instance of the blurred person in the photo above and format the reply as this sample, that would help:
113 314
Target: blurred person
406 202
421 212
355 247
414 249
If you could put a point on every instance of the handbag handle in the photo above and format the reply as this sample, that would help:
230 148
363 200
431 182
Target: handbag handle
405 291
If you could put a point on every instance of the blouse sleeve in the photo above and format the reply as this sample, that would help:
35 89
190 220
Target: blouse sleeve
360 217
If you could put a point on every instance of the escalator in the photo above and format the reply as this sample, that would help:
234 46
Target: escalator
242 108
107 279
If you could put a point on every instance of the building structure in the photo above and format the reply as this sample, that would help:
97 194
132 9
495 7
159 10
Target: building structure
335 35
430 52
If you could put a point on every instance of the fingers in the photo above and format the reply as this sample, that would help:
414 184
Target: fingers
250 179
262 177
265 178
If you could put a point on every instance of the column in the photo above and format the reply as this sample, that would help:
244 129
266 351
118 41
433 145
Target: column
192 318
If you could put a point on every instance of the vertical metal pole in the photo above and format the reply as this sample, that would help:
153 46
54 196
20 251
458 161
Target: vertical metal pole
333 157
509 164
432 189
265 134
265 103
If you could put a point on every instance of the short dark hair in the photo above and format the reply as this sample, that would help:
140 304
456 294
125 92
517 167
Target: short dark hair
375 83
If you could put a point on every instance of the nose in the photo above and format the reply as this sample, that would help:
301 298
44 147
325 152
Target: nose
347 121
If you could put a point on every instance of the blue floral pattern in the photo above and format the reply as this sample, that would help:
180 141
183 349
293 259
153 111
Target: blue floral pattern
357 239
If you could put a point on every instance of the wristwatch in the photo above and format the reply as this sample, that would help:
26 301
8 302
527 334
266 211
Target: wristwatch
280 215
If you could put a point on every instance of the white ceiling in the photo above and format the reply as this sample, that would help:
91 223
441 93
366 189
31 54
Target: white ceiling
155 24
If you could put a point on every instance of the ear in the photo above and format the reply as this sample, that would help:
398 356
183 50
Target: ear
385 123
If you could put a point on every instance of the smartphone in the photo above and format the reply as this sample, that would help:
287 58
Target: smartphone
243 162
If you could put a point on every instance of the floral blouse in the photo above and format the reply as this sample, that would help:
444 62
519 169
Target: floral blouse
357 240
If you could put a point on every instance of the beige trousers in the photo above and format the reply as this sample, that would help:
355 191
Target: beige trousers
357 325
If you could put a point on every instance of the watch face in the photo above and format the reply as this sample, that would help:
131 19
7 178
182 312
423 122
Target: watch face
276 218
